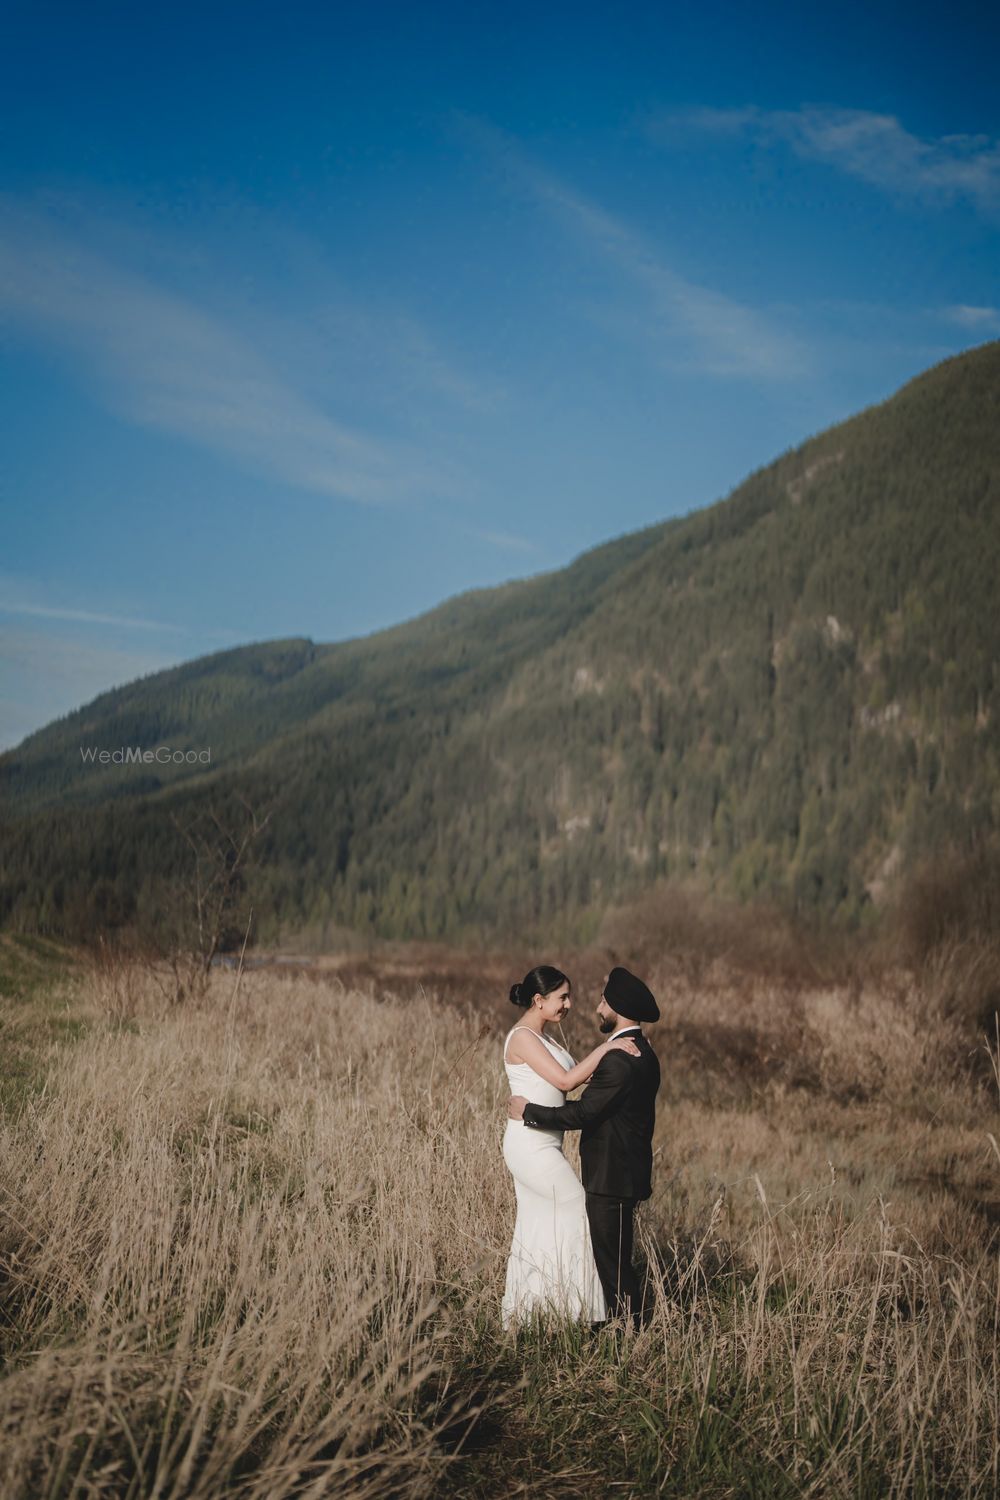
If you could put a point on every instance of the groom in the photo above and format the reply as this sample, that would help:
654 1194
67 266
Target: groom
615 1118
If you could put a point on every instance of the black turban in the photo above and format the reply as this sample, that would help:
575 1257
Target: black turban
629 997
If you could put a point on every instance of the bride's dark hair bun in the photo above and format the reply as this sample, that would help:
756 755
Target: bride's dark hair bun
540 981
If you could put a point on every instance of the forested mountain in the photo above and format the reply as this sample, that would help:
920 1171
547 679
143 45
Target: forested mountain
790 694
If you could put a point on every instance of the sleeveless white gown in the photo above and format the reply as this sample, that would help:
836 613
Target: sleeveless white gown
551 1264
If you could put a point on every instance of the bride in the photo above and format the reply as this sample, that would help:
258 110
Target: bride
551 1262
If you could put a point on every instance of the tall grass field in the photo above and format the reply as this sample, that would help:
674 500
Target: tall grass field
255 1246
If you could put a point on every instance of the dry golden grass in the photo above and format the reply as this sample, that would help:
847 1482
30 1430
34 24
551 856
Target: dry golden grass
257 1247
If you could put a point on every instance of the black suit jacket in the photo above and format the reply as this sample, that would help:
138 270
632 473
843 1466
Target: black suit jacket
615 1119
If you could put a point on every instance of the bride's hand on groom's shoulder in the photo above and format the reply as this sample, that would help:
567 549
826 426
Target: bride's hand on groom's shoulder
624 1044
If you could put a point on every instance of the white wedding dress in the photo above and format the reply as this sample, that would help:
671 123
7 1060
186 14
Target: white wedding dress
551 1263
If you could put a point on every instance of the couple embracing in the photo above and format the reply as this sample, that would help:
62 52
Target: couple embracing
572 1248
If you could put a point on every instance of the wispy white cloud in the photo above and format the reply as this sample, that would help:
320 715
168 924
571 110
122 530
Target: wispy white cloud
72 660
862 143
394 346
82 616
976 319
46 676
45 673
348 337
506 541
34 598
431 367
160 360
688 322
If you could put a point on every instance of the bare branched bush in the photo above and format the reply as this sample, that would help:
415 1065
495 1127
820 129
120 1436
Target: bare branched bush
948 923
952 898
188 920
118 980
698 934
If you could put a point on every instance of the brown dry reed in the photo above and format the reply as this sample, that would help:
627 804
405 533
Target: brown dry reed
256 1247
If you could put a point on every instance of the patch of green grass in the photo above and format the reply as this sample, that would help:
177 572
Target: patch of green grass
557 1412
37 990
21 1073
30 965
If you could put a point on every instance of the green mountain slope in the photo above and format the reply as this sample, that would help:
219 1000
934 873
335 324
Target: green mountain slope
791 693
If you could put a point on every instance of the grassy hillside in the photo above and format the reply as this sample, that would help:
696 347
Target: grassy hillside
790 694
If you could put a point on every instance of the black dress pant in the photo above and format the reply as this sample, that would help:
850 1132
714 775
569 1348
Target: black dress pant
611 1236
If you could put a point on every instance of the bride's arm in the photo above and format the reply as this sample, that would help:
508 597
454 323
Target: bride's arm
583 1070
533 1051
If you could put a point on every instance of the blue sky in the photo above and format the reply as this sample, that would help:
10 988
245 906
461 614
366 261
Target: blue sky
314 317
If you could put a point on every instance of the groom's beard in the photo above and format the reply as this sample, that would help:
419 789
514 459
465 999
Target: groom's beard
607 1026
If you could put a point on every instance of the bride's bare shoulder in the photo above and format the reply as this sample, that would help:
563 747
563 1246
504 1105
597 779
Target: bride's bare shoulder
524 1044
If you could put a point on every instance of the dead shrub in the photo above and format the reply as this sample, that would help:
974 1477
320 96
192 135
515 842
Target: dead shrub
947 919
694 931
